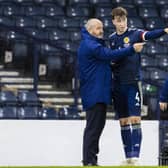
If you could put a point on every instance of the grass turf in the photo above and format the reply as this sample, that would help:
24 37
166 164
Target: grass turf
84 166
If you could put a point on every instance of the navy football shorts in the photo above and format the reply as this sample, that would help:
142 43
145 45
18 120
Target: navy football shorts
127 99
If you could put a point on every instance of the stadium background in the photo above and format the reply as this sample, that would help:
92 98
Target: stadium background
38 45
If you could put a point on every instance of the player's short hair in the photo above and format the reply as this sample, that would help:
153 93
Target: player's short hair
119 11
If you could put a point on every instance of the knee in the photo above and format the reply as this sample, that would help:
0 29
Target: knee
135 120
124 121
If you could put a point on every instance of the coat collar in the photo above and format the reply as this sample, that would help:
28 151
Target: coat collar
87 35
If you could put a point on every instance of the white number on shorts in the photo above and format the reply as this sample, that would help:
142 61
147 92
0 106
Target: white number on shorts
138 99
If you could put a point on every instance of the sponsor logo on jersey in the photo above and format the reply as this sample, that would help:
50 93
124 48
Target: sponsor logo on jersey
126 45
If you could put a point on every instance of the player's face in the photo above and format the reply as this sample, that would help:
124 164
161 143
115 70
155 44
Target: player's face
97 30
120 23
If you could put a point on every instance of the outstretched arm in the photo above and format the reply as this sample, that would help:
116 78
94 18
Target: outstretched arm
149 35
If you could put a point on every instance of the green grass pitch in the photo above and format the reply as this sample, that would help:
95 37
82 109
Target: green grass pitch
84 166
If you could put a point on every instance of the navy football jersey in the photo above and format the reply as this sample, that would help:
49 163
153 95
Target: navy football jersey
127 70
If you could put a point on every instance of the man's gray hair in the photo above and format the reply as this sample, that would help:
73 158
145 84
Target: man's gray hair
91 23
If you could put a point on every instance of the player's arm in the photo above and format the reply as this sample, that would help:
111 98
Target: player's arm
149 35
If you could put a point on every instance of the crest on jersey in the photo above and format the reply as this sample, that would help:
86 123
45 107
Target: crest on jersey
126 40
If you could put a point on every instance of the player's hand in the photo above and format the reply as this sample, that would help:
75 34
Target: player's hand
138 47
163 106
166 30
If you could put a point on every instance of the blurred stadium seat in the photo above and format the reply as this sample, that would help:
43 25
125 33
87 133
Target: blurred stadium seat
147 62
43 22
154 49
135 22
162 39
28 112
28 98
68 45
148 12
7 21
54 11
75 36
24 22
57 34
36 33
43 1
163 62
68 23
32 10
129 2
77 11
48 113
161 2
103 11
164 13
98 2
107 23
78 2
8 112
68 113
144 2
132 11
154 23
157 74
11 10
8 98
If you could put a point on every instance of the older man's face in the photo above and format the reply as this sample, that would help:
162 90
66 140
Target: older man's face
97 30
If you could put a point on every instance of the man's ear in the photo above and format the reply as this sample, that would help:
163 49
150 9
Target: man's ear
90 31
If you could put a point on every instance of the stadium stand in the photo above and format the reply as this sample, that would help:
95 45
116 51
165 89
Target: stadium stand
54 26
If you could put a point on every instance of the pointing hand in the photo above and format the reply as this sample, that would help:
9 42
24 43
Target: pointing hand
138 47
166 30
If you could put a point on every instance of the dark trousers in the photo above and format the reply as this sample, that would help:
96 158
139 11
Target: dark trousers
95 122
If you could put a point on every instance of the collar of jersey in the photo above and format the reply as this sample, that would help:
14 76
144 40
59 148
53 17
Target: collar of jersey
123 33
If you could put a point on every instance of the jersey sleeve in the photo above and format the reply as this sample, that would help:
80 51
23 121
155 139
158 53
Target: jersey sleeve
140 33
153 34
